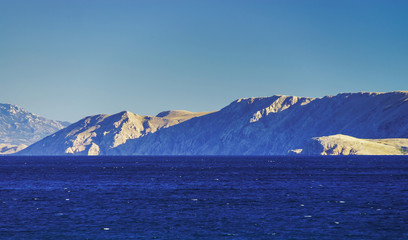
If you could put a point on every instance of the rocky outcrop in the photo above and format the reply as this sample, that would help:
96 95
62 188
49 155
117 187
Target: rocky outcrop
347 145
9 148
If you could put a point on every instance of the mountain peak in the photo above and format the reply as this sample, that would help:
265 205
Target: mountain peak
7 108
173 113
126 112
180 115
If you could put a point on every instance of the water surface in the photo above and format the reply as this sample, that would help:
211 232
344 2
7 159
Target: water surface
204 197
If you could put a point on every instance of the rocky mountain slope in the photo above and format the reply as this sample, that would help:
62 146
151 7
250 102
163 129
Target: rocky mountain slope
101 134
252 126
9 148
346 145
19 127
275 125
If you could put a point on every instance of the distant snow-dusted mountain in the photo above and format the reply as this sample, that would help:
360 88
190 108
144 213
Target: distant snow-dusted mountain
276 125
19 127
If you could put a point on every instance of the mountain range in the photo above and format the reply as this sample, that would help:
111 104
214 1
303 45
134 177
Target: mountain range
348 123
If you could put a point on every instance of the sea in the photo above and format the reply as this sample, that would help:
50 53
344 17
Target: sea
180 197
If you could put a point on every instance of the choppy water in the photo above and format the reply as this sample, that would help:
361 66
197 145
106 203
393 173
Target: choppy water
204 198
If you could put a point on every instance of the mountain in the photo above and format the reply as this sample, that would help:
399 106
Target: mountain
276 125
102 134
19 127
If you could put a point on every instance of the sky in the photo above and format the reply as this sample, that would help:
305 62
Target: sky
67 59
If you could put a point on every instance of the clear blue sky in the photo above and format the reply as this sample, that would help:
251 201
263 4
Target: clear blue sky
68 59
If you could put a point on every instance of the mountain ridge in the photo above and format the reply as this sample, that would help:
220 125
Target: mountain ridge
274 125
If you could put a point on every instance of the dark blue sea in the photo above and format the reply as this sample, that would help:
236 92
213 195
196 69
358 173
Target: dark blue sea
204 197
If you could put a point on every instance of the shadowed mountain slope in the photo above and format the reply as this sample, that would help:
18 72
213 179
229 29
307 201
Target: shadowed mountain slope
275 125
